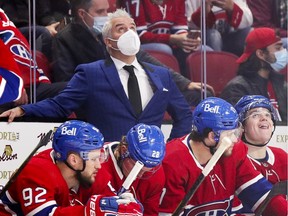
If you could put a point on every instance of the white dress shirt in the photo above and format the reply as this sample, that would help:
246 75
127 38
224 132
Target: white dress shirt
146 91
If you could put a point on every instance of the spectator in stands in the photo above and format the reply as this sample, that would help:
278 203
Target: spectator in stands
258 116
162 25
20 50
81 42
271 14
258 72
228 23
102 88
62 180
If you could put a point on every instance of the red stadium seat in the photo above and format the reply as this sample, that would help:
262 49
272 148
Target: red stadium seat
166 59
221 67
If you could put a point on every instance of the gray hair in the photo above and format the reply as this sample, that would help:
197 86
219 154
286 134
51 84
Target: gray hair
106 31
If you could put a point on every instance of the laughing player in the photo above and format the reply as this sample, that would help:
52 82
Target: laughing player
186 157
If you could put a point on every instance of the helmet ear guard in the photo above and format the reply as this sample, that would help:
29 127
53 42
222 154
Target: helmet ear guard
76 136
146 144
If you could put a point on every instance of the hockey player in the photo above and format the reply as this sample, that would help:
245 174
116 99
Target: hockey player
258 116
146 144
186 157
11 83
22 54
60 181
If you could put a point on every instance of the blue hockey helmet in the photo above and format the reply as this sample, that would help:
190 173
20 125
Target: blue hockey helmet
249 102
146 144
76 136
216 114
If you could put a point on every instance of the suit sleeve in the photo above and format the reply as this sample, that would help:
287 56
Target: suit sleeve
180 112
67 101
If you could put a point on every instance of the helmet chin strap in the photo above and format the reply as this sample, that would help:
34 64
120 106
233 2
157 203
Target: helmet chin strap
83 168
211 148
253 144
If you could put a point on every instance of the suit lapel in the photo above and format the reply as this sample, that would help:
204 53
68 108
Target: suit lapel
156 85
113 78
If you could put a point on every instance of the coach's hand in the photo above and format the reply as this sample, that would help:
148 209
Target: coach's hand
13 113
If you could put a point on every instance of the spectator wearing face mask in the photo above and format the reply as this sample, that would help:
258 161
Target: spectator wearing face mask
263 58
81 40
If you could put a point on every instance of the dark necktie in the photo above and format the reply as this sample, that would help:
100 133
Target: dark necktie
133 90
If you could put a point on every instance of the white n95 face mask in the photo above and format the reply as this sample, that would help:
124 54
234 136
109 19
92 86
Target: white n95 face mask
281 60
128 43
99 23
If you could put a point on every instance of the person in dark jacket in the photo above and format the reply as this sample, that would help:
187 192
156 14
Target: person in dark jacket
81 42
259 71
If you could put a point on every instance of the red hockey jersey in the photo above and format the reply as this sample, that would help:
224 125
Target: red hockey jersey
154 22
240 17
273 168
40 189
146 190
11 83
19 47
215 195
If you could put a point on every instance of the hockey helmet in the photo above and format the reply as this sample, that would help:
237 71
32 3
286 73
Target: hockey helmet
76 136
216 114
249 102
146 144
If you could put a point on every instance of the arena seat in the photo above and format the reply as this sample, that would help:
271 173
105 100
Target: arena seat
221 67
166 59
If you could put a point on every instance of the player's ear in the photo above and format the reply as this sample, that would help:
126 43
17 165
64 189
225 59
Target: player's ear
74 159
211 136
123 149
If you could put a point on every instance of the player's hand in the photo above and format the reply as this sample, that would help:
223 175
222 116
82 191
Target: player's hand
197 86
13 113
118 206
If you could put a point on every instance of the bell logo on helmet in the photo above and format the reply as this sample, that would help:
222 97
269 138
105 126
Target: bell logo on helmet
208 108
141 136
65 131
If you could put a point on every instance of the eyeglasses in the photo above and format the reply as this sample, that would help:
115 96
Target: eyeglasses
259 115
101 156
